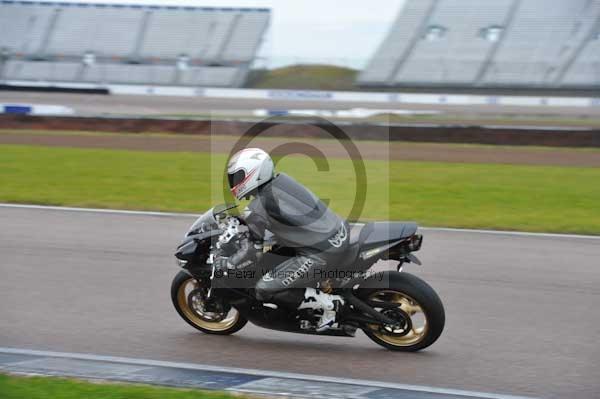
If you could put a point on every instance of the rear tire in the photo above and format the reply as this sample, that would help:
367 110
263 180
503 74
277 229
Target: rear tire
180 297
413 294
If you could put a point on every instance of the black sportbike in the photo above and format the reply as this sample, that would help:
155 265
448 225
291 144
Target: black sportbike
395 309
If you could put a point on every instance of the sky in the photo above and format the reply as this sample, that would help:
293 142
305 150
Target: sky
343 32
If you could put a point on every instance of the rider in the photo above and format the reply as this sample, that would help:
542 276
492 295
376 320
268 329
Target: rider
298 219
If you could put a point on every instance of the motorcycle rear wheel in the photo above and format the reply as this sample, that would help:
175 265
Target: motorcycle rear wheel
419 307
187 296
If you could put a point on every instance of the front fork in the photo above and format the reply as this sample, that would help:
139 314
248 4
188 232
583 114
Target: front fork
211 261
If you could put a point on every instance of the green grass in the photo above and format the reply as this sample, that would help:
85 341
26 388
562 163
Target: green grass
529 198
305 77
13 387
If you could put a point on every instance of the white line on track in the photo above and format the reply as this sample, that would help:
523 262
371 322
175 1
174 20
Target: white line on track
259 373
175 214
512 233
97 210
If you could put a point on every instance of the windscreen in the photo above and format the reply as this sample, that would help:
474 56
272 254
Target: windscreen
205 222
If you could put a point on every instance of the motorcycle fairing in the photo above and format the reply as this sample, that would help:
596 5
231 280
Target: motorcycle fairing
195 249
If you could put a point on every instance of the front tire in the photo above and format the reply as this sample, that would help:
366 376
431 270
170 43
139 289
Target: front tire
187 295
418 303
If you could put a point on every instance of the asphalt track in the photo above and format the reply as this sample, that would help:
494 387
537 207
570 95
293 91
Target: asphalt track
522 310
86 104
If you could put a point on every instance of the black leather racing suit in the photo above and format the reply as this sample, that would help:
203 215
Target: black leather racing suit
299 220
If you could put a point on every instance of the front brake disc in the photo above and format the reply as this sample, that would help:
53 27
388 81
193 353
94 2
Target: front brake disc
212 311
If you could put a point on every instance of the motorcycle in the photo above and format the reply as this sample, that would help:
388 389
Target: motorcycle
395 309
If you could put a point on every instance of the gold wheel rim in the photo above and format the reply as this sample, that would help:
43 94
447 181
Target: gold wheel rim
418 319
194 316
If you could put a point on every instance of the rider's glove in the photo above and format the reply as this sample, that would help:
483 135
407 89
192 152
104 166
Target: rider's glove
221 263
245 257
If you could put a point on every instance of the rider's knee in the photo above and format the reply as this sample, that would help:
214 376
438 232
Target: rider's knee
262 291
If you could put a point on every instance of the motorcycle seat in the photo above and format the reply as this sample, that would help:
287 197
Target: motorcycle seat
375 233
381 233
355 230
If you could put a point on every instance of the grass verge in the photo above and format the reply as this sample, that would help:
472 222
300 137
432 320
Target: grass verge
528 198
305 77
19 387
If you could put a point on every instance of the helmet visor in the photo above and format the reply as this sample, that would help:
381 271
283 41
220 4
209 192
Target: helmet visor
236 178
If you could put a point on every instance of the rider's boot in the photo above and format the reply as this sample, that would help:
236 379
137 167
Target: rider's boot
327 303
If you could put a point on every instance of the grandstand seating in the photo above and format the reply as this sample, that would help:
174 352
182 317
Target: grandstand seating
81 29
199 76
397 44
497 43
244 39
541 32
459 58
173 32
586 68
41 70
102 43
24 28
132 74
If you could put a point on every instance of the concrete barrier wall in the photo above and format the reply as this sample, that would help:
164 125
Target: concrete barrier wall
362 97
332 96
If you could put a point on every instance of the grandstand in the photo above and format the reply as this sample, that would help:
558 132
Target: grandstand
128 44
541 44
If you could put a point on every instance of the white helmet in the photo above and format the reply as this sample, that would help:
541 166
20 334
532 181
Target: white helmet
247 170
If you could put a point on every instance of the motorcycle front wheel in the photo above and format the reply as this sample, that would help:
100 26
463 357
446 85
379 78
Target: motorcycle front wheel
414 305
189 298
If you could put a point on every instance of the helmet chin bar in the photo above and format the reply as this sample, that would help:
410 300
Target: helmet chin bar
247 196
251 194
